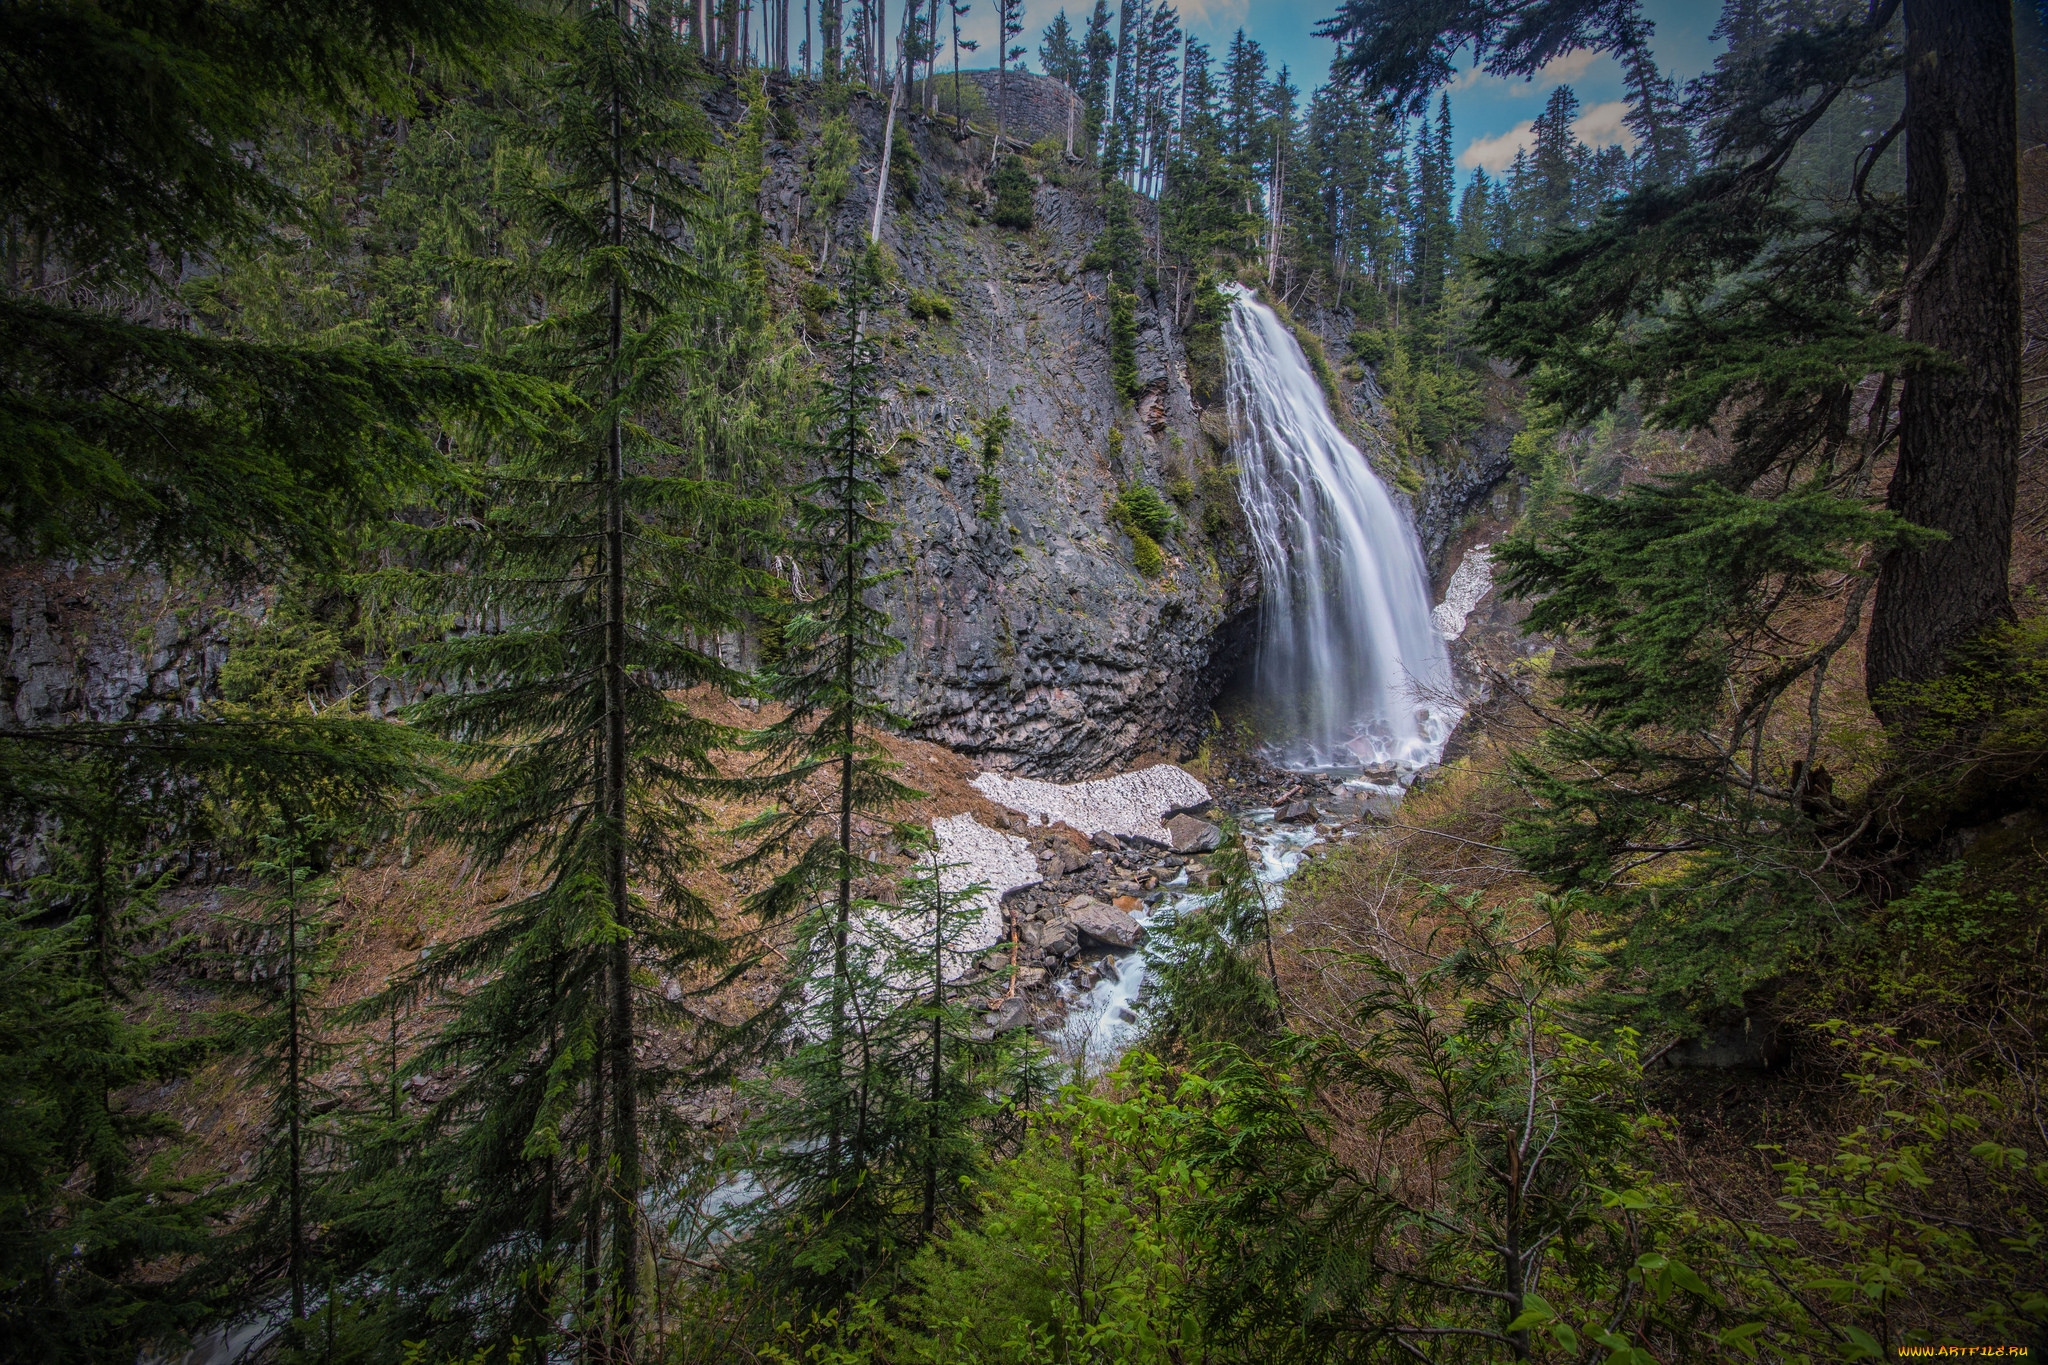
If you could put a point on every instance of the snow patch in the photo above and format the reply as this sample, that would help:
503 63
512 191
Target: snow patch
1129 804
969 853
1469 584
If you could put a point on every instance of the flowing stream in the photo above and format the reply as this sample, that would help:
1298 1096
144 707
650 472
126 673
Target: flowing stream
1349 661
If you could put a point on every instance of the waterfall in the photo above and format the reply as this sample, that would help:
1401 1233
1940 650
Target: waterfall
1348 659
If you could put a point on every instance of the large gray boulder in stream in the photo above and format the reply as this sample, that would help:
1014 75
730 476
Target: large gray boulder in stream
1104 923
1190 835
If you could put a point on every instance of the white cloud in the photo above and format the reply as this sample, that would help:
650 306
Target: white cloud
1566 66
1210 13
1559 70
1497 153
1603 125
1600 126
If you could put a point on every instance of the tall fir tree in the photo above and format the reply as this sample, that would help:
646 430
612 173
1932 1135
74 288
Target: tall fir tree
593 553
834 779
1098 54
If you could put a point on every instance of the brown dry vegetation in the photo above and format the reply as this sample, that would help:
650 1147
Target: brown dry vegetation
401 900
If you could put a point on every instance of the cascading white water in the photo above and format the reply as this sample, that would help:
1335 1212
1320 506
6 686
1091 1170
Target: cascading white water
1348 655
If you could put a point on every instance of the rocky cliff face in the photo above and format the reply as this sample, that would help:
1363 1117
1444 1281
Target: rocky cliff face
1032 640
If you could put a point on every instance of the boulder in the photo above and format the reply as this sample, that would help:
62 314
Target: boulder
1106 841
1105 924
1061 938
1296 812
1193 836
1012 1013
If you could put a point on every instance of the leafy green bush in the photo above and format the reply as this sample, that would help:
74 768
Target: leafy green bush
925 306
1140 507
818 298
1123 340
1146 555
1013 195
1370 346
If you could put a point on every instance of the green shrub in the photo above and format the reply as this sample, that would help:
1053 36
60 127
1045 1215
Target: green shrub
901 154
988 491
1123 340
1139 507
1181 490
818 298
940 472
926 306
1370 347
1013 195
1146 554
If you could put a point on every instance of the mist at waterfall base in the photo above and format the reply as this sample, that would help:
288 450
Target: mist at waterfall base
1349 671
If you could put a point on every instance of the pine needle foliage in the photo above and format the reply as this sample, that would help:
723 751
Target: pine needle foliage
1514 1123
1211 966
878 1125
292 950
586 566
81 1206
1672 593
831 776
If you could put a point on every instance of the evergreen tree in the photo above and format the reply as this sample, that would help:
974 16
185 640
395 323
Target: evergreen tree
1476 218
82 1209
598 564
1244 123
1059 55
882 1113
834 779
1663 153
1214 973
1554 163
293 939
1098 50
1430 244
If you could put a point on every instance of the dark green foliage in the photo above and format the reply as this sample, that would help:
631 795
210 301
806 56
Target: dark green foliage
1214 983
1202 340
1123 341
818 297
120 438
601 563
1666 584
82 1209
1146 518
1140 507
988 488
126 120
1674 591
293 1181
928 307
1470 1063
1013 195
1370 347
881 1120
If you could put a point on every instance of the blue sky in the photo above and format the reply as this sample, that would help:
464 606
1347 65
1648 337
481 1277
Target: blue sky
1489 117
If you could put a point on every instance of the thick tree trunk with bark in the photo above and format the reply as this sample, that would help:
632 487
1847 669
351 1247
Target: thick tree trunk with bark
1959 427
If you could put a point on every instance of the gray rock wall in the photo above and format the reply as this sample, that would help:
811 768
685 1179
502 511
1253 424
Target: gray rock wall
1032 641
